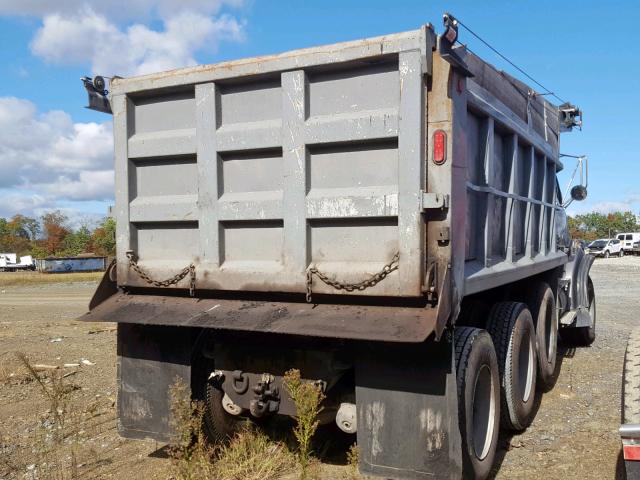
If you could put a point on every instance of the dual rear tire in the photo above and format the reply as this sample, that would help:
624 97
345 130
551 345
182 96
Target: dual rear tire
511 328
479 400
496 372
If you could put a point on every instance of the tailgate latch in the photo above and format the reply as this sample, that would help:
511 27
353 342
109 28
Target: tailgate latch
434 201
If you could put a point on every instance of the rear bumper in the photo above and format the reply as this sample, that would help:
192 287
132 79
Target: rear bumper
358 322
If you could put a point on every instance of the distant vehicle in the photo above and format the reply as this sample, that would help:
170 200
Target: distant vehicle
605 247
9 262
628 240
636 248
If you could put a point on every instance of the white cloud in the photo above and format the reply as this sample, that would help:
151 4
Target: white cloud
86 185
629 204
35 205
26 203
89 36
45 158
48 161
119 10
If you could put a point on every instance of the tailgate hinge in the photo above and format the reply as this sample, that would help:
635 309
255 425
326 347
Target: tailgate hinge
434 201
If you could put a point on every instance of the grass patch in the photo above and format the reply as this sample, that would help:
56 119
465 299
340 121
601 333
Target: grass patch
353 461
11 279
249 455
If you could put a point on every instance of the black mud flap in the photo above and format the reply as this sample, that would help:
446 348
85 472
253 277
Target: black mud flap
407 411
580 289
150 359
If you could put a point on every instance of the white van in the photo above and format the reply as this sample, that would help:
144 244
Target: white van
628 239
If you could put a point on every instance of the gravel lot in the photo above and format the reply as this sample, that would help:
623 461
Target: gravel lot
574 434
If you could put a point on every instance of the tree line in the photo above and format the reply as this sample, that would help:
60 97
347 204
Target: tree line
594 225
52 235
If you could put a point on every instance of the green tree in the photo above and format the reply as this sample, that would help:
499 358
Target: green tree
37 250
3 227
103 239
17 226
77 242
55 231
590 226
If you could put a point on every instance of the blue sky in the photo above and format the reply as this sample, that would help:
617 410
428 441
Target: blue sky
56 154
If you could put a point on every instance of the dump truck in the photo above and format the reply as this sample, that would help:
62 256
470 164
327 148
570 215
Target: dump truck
382 215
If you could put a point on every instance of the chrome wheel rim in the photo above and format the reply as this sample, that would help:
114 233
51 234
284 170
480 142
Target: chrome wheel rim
483 410
550 331
525 368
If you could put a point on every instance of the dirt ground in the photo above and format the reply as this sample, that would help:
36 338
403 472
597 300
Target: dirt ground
574 435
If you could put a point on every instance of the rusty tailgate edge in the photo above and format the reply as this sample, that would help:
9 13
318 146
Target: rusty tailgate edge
358 322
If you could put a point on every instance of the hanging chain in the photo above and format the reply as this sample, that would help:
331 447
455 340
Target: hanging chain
188 270
350 287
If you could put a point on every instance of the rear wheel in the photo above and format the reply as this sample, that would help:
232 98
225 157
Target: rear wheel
511 328
479 400
583 336
217 425
542 304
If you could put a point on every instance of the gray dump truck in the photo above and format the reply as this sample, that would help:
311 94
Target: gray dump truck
382 214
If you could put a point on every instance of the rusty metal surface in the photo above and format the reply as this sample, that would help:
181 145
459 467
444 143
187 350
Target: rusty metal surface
106 288
421 39
361 322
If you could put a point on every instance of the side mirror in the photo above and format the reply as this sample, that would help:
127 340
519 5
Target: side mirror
578 192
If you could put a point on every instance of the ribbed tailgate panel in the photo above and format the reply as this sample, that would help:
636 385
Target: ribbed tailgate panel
257 179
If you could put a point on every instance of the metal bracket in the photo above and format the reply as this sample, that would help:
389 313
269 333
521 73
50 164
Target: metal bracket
434 201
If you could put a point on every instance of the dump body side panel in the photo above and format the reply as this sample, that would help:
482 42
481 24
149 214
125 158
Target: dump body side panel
512 158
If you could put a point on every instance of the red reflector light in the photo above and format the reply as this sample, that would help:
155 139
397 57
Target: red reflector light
439 147
631 452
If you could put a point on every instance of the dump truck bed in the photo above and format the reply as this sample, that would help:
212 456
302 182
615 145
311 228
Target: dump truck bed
268 174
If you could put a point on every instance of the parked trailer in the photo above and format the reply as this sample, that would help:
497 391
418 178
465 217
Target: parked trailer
71 264
382 215
9 263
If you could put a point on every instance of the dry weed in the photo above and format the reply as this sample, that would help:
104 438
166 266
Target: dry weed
249 455
57 393
307 398
353 461
57 450
191 456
